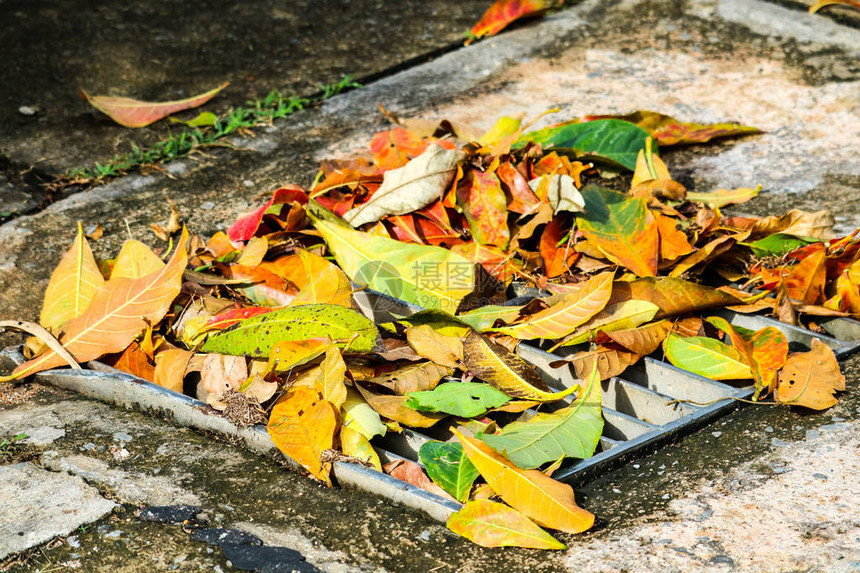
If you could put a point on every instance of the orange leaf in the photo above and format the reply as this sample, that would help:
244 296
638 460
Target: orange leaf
394 148
134 113
73 284
673 296
324 282
522 198
608 361
548 502
557 260
622 228
134 361
394 408
810 378
302 425
170 368
269 289
703 256
765 351
673 242
641 340
486 209
503 12
492 524
120 310
805 281
327 378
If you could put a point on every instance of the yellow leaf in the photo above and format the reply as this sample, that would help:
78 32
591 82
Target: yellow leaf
73 285
492 524
327 378
302 426
119 311
810 378
353 444
429 344
548 502
135 260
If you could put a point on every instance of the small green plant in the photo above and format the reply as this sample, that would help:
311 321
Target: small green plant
257 113
10 446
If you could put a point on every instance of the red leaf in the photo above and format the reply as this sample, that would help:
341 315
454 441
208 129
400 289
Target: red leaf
246 226
232 316
557 260
486 209
503 12
522 198
394 148
134 113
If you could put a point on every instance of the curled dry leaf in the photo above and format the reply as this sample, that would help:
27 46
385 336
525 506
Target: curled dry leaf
413 377
506 371
135 113
411 187
220 373
394 408
609 362
810 378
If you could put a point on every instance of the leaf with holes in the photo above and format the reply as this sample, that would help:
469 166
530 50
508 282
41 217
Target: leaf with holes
302 425
548 502
810 378
461 399
257 336
449 468
571 432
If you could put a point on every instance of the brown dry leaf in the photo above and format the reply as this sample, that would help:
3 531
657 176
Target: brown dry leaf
810 378
608 361
703 256
441 349
302 425
119 311
796 222
219 374
73 285
418 377
394 408
411 473
643 340
173 225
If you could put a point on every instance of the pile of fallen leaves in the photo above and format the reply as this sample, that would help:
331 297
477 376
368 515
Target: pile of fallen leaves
488 240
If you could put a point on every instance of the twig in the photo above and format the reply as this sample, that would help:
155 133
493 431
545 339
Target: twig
43 335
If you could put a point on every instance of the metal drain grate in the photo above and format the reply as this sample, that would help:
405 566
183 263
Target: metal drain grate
651 404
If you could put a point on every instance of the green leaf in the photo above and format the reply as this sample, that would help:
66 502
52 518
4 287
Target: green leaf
462 399
483 318
431 277
707 357
619 316
570 432
610 139
449 468
257 335
778 244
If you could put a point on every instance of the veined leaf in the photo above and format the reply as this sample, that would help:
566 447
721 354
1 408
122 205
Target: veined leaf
620 316
135 113
409 188
622 228
418 377
569 432
483 318
492 524
548 502
608 361
643 339
562 318
327 378
432 345
256 336
722 197
764 350
74 283
499 367
778 244
485 207
706 357
247 225
461 399
431 277
394 408
135 260
449 468
810 378
302 426
119 311
674 296
609 139
669 131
